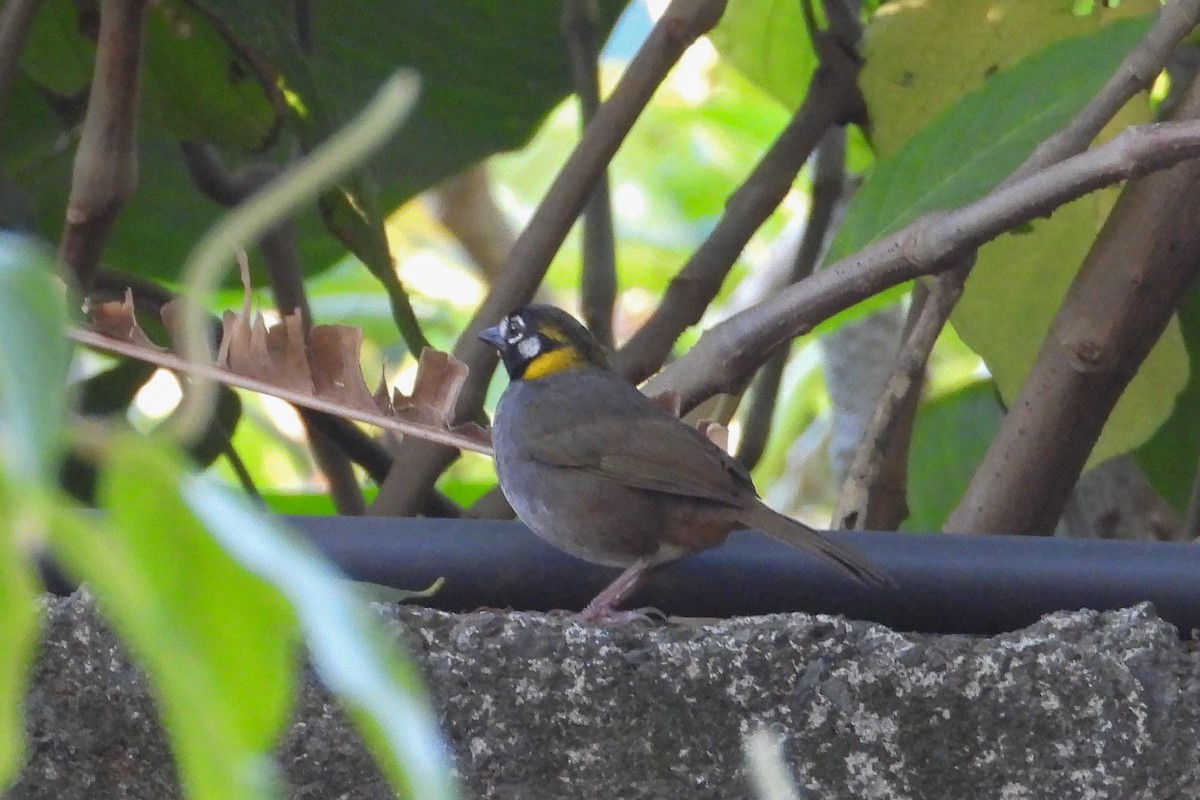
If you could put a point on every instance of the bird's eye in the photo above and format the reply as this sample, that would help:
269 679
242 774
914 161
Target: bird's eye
513 329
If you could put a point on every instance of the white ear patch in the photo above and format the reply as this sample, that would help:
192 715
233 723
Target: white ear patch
529 347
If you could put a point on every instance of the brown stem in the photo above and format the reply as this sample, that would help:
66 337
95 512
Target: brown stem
1145 257
829 173
599 274
873 495
727 353
833 99
106 168
465 205
683 22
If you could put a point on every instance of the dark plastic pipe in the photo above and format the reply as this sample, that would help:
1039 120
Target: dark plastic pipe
944 583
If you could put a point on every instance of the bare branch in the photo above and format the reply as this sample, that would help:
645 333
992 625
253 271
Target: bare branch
833 99
599 285
728 353
860 494
829 174
465 205
105 171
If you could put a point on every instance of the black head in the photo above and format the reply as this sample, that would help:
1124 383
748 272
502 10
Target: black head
539 340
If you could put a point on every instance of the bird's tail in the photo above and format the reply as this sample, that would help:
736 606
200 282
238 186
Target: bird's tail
797 534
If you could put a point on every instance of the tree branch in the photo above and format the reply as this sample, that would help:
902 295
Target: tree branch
828 178
728 353
105 172
599 284
833 99
1136 72
1145 257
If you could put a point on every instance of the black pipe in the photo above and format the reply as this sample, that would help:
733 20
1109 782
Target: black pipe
944 583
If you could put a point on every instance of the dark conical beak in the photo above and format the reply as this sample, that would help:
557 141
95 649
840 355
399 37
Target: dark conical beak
492 336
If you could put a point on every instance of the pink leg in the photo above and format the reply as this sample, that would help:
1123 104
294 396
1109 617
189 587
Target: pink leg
604 607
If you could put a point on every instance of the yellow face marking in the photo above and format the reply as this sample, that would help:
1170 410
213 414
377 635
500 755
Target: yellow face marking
553 361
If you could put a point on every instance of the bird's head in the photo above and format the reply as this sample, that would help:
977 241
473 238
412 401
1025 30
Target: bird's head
540 340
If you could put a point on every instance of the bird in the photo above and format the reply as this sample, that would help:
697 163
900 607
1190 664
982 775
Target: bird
598 469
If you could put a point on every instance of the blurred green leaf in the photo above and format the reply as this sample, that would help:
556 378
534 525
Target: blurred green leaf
950 437
33 360
193 616
349 647
58 52
214 759
198 87
18 616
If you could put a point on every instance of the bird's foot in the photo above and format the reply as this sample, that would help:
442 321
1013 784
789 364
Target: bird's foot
604 614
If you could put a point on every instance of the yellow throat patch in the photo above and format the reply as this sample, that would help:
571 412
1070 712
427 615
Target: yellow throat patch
560 359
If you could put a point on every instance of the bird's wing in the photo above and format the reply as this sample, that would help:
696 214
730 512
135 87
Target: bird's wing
659 454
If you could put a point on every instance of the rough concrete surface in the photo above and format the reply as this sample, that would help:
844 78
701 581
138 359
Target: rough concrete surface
1080 705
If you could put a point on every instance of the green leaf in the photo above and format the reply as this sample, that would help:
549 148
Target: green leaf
19 524
33 360
350 648
950 436
57 54
490 73
767 41
198 87
241 627
967 150
218 644
1170 457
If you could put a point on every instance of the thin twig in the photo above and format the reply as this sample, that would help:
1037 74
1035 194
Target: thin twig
862 492
599 282
727 353
832 99
106 167
15 18
829 173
